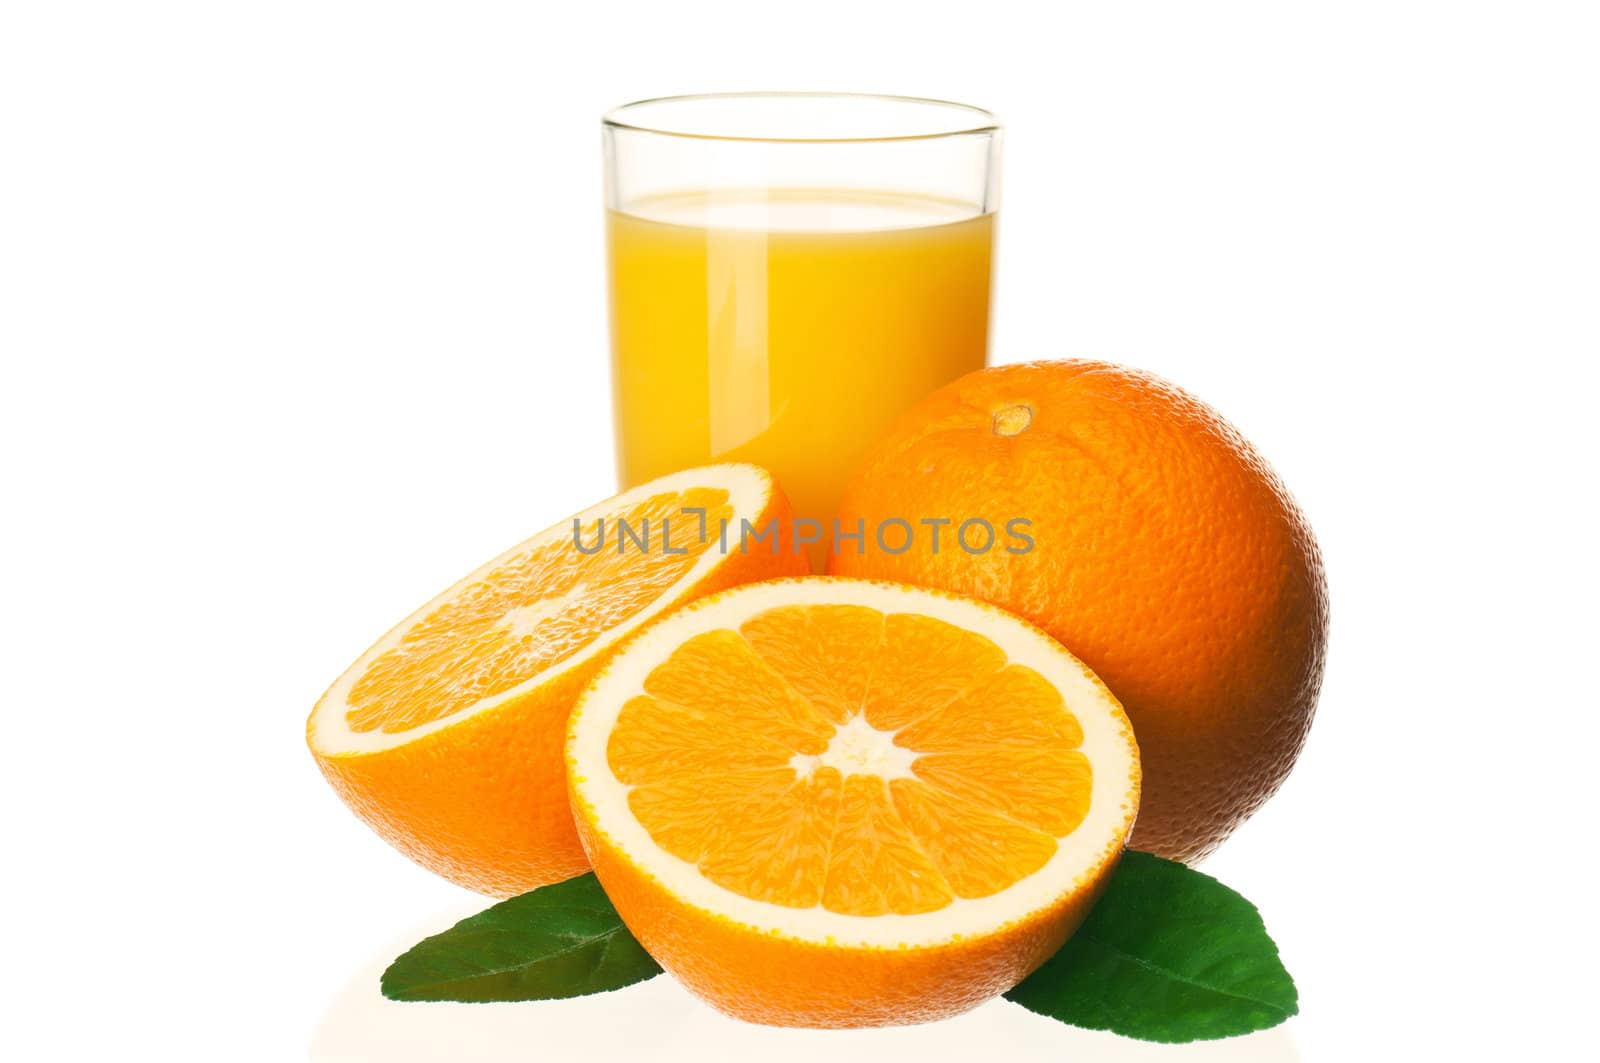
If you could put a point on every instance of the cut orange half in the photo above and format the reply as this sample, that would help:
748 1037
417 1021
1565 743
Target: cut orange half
446 736
833 802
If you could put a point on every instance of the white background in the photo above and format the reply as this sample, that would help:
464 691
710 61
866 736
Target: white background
301 317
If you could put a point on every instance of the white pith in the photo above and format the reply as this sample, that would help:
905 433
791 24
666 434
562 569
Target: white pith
749 489
524 620
858 748
1107 742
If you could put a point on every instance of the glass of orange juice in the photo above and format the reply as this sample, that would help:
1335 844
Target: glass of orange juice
789 271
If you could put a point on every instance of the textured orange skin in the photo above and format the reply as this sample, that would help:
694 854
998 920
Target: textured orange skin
484 803
767 978
1168 557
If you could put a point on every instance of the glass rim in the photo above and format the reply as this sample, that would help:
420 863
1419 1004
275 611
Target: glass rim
985 121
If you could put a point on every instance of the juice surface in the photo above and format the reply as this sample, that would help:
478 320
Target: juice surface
787 328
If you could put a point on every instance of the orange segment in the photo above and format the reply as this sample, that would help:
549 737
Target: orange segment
656 741
686 816
925 663
717 676
826 652
876 866
1047 789
833 802
797 821
1034 716
446 736
978 852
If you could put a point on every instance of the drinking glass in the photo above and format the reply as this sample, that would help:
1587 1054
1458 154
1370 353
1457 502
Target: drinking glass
788 272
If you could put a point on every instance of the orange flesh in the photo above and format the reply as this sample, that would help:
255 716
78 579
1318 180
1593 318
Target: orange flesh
532 611
743 757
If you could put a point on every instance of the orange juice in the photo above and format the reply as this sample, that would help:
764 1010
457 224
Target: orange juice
787 328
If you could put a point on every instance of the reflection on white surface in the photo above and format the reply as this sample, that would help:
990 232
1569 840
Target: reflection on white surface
658 1020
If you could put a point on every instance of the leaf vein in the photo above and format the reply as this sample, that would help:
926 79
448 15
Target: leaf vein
1167 972
489 972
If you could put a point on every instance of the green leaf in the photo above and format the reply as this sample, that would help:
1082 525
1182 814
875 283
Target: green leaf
1168 954
560 941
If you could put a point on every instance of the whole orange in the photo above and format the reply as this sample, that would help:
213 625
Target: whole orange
1139 528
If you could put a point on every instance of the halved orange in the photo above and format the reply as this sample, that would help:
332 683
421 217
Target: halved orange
446 736
835 802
